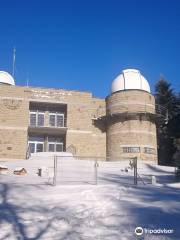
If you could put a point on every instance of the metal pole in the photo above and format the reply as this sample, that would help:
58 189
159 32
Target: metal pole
14 59
55 170
95 172
135 170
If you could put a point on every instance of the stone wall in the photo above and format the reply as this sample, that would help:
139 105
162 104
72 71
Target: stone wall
82 135
13 143
88 139
131 125
130 101
13 123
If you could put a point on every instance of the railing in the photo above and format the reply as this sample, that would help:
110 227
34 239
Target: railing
63 125
93 170
28 152
132 108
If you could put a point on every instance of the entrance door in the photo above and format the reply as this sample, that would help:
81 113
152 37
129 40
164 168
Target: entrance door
39 147
55 144
36 144
36 147
32 147
55 147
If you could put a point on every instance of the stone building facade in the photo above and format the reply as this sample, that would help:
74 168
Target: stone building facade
55 120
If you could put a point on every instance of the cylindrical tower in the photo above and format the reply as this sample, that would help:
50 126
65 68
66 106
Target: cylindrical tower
130 118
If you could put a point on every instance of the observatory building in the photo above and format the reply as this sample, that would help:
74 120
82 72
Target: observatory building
130 125
54 120
6 78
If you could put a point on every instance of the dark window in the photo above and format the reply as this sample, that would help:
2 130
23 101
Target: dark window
52 120
36 139
59 147
32 119
131 149
149 150
56 119
60 120
40 119
32 147
55 144
39 147
36 144
51 147
36 119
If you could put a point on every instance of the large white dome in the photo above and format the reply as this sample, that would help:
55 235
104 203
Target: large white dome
130 79
6 78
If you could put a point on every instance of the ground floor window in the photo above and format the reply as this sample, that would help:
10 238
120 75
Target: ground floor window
149 150
55 144
36 144
131 149
46 144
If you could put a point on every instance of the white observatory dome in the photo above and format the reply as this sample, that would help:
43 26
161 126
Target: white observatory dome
6 78
130 79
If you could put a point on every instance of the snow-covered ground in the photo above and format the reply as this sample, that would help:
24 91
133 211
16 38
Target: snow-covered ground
77 209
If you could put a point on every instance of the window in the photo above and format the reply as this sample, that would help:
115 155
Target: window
40 119
51 147
36 119
149 150
32 119
32 147
36 138
59 147
56 119
55 144
36 144
60 120
52 120
131 149
39 147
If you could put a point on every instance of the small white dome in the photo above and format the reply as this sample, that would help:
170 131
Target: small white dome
130 79
6 78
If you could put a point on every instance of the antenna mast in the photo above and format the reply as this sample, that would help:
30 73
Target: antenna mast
27 82
14 60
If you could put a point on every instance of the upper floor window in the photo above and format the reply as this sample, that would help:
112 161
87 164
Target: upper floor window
56 119
36 118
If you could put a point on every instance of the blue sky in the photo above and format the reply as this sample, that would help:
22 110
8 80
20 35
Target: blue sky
84 45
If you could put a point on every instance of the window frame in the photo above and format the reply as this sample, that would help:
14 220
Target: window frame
55 146
56 142
149 150
37 113
56 114
35 144
130 149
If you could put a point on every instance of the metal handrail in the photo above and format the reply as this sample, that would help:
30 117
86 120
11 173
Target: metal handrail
144 108
64 125
28 152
